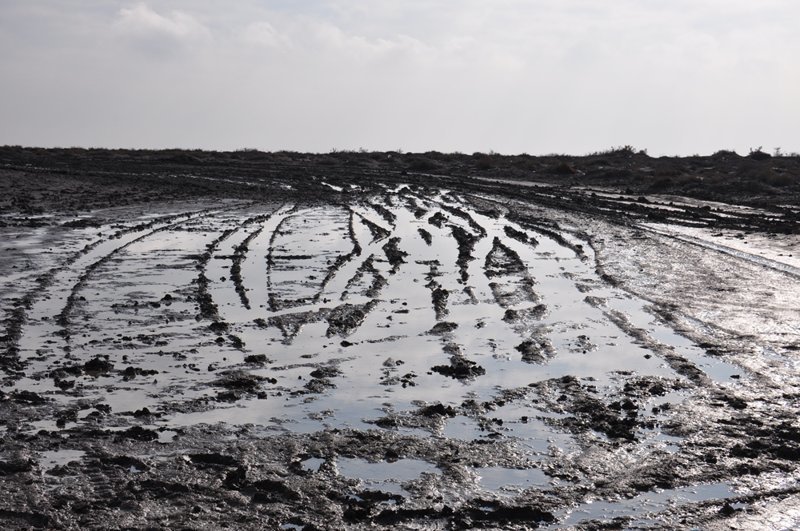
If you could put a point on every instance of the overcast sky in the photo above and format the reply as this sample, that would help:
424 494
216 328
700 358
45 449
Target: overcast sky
513 76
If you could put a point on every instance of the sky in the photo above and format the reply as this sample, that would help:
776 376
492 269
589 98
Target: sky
674 77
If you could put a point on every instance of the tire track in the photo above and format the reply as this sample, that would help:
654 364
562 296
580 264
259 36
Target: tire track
34 310
63 318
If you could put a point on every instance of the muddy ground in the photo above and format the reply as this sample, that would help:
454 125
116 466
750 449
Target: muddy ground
284 341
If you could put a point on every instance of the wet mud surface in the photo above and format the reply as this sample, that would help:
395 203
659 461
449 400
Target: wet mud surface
398 350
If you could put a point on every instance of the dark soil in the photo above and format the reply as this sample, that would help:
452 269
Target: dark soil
69 460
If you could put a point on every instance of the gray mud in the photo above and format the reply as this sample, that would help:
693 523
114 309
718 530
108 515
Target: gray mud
403 356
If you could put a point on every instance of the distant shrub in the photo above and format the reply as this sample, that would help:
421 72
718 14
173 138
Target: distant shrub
626 150
758 154
483 161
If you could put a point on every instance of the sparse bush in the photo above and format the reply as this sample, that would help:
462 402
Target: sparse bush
758 154
626 150
483 161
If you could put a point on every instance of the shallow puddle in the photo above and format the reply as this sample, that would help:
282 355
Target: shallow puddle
650 502
384 476
403 312
510 482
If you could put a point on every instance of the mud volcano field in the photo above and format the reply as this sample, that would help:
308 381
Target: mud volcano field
199 348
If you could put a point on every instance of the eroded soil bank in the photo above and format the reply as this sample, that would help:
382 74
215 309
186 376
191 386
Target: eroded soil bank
321 349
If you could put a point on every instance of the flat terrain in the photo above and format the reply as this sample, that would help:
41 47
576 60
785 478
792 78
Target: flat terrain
417 341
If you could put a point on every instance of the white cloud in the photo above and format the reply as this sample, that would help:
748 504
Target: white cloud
264 34
509 75
158 32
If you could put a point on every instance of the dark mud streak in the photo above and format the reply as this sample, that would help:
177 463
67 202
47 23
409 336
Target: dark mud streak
460 367
425 235
678 363
15 321
395 256
439 295
271 299
240 253
378 280
520 236
342 320
351 231
553 234
504 261
17 316
547 228
635 209
208 309
341 260
378 232
466 244
63 318
458 212
384 212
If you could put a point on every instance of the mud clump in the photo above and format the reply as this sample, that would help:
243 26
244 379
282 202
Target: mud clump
438 410
438 220
98 366
460 368
466 244
394 254
425 235
132 372
514 316
536 350
442 328
377 232
519 235
344 319
439 298
236 380
326 372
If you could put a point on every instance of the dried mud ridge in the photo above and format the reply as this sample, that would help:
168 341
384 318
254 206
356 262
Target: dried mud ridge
353 352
